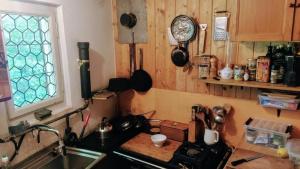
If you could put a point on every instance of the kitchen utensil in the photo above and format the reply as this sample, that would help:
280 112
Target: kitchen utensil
118 84
172 40
183 28
128 20
243 160
105 128
158 140
70 137
86 121
180 55
141 81
132 55
202 33
174 130
208 118
211 136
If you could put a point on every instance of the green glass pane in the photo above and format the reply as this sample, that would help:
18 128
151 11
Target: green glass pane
11 51
21 24
34 83
28 36
22 85
8 22
24 50
38 69
19 99
41 92
30 96
27 71
33 24
31 60
15 73
35 49
16 36
19 61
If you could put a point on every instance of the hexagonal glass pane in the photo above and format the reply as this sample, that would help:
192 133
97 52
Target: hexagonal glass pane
44 24
41 92
15 73
22 85
33 24
30 95
19 61
8 23
31 60
11 51
24 50
36 49
34 83
16 36
19 99
28 36
21 24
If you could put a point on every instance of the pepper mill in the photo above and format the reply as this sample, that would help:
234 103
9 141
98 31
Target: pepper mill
213 67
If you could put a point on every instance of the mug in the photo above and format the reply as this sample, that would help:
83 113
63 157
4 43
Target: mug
211 136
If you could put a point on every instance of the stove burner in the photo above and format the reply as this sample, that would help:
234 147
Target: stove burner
192 152
201 156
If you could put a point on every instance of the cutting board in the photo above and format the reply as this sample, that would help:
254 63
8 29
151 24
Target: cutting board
142 144
261 163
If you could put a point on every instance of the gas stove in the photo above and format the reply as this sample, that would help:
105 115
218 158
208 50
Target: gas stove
201 156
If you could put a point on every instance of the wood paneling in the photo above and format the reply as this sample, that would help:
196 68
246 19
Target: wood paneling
157 52
268 19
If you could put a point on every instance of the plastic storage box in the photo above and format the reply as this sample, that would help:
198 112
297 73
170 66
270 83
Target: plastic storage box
267 133
293 147
279 102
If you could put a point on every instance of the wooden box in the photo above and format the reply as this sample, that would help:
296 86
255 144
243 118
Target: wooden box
174 130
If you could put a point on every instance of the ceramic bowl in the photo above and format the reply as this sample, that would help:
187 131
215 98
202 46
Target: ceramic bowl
158 140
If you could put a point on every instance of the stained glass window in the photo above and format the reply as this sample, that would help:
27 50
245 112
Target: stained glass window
30 58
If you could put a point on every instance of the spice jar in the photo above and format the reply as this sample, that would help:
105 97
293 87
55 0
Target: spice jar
238 72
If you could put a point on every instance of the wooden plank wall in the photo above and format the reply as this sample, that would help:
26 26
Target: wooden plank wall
157 52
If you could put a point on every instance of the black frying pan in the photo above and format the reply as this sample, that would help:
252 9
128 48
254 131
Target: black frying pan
141 81
180 55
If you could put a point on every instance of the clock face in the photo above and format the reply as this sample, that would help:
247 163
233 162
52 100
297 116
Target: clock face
183 28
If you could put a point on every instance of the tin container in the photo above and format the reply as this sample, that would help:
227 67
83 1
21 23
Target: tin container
251 64
263 69
239 72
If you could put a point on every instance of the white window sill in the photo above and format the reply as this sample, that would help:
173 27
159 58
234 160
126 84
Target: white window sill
58 111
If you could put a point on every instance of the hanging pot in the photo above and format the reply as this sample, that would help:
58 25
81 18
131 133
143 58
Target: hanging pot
180 55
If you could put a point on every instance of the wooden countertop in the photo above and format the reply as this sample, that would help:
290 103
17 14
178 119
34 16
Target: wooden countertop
142 144
271 160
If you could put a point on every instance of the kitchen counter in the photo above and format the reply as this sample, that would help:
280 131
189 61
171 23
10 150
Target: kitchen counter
270 160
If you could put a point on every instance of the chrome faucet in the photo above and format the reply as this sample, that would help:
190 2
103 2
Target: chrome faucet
61 147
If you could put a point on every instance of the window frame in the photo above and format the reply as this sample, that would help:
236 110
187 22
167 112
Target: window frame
50 12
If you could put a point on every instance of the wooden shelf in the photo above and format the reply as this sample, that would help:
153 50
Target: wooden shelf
251 84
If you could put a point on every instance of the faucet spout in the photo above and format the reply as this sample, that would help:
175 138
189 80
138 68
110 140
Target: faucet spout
61 147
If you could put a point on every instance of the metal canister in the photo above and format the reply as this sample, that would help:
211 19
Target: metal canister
251 64
239 72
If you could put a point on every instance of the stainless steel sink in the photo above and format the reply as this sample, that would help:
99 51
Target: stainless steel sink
75 159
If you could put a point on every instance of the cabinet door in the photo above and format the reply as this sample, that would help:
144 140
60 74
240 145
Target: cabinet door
296 31
264 20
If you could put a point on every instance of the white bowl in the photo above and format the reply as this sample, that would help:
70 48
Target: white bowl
158 140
